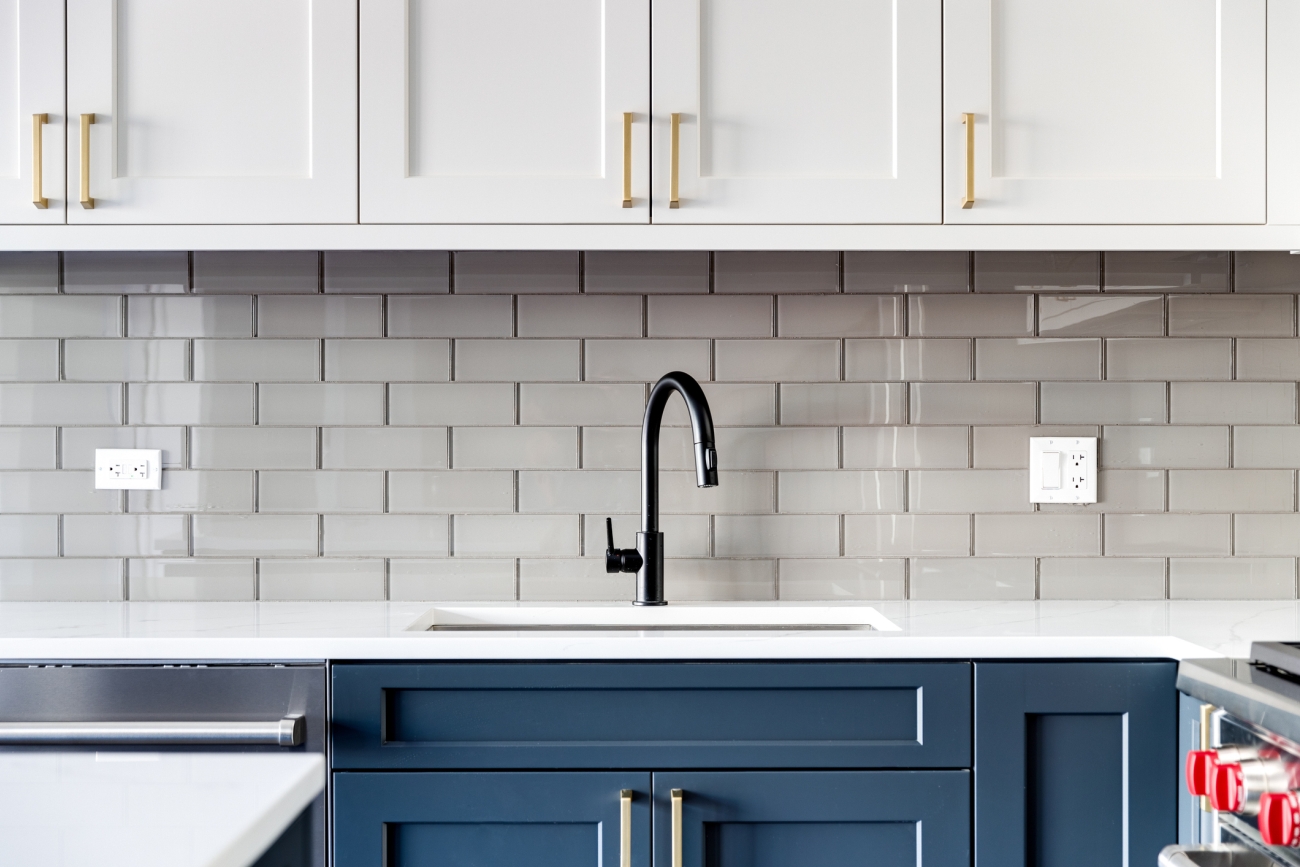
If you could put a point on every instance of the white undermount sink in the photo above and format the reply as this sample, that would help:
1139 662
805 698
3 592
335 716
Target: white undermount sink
635 617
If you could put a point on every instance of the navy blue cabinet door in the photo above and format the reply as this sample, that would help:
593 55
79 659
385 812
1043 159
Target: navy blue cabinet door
1074 763
814 818
488 819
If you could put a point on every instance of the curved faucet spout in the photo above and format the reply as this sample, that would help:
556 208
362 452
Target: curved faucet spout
706 454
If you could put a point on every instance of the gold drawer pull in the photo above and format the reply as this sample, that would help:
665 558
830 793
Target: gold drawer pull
627 159
86 201
38 164
968 200
676 795
625 827
674 160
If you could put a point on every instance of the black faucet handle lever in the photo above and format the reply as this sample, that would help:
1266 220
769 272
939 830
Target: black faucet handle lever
619 559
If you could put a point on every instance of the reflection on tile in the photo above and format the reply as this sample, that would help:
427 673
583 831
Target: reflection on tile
646 271
223 316
1237 578
125 360
843 403
970 316
1174 446
451 580
906 447
972 403
192 580
842 579
1028 358
1164 358
1267 271
1103 402
767 271
515 272
256 271
29 273
973 578
450 316
1232 315
319 316
1001 271
1100 316
62 316
1101 578
839 316
888 272
928 359
386 272
125 272
1144 271
907 535
968 491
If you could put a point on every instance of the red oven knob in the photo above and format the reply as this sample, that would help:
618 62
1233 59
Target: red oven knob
1227 788
1279 819
1200 763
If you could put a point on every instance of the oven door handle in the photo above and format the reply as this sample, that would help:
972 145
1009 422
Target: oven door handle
286 732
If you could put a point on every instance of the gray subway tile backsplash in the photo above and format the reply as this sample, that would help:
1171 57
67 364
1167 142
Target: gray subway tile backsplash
351 425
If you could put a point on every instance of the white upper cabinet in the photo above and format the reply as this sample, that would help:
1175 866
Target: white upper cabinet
237 111
1107 111
31 111
797 111
505 111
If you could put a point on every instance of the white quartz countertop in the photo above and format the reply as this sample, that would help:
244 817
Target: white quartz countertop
136 809
379 630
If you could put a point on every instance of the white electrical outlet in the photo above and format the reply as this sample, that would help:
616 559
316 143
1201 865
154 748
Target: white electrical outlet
1063 470
128 469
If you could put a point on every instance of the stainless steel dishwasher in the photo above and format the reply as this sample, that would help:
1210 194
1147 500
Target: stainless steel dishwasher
184 707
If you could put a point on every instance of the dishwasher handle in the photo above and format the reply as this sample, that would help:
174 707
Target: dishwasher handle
286 732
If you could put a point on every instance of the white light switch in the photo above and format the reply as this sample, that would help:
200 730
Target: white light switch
1063 470
128 469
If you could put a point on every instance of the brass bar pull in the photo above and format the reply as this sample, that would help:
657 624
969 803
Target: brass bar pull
627 159
676 795
625 825
38 164
1207 714
968 200
86 201
674 161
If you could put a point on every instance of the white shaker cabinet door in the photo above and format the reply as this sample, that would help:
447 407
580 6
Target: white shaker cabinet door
505 111
237 111
797 111
1109 111
31 111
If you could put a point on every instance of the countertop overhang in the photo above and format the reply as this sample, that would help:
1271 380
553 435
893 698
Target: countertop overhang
300 631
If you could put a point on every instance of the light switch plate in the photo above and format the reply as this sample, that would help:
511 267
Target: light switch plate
1063 470
128 469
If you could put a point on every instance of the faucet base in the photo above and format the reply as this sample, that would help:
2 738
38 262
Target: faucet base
650 577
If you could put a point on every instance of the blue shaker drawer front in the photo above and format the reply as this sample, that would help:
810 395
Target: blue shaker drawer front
639 715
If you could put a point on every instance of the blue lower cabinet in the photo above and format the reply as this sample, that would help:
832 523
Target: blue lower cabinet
1076 763
813 818
492 819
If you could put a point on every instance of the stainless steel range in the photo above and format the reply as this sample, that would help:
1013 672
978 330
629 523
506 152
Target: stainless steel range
1240 734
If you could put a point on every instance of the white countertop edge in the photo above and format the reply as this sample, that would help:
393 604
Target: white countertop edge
258 837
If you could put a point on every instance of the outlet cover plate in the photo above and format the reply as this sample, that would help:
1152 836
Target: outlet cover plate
128 469
1063 470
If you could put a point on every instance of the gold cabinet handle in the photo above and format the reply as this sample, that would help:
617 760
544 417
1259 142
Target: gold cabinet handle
674 160
627 159
676 795
38 164
86 201
968 200
625 825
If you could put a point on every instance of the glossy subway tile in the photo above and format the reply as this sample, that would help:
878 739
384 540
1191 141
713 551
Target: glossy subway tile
384 535
942 359
839 316
646 272
452 580
887 272
29 273
182 580
450 316
1004 271
906 447
319 316
116 273
708 316
1101 316
970 316
578 316
1169 358
376 272
1027 358
325 580
370 360
257 360
165 316
768 271
1156 271
256 271
841 579
515 272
